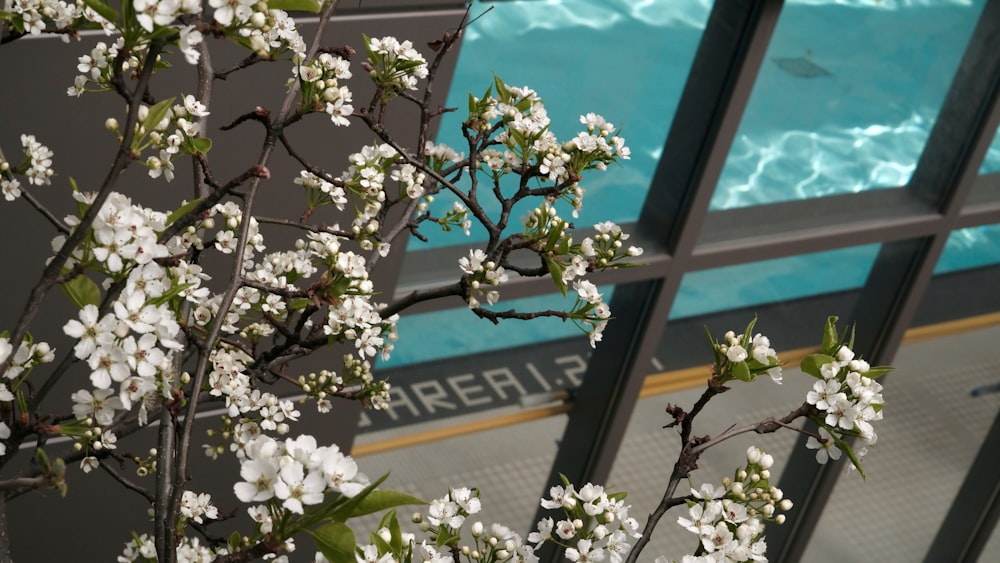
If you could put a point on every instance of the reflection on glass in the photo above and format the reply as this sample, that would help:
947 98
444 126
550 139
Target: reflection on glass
622 59
770 281
922 454
970 248
845 98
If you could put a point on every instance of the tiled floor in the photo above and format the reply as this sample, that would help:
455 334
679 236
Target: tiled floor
931 433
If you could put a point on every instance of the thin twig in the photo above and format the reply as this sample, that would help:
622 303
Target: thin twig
127 483
245 63
304 226
184 445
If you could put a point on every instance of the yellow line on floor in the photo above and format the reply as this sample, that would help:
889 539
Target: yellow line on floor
655 384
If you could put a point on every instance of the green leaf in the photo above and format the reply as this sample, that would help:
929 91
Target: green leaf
813 362
174 291
336 541
748 333
103 9
311 6
153 118
346 510
877 371
502 91
830 337
395 534
82 291
556 271
382 499
565 480
182 211
199 145
446 537
846 448
742 372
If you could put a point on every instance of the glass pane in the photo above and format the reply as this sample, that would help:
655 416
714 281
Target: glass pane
970 248
922 453
843 102
624 60
771 281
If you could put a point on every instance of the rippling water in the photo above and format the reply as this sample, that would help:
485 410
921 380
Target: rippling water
844 102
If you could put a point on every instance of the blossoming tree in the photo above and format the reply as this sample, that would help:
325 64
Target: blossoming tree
159 338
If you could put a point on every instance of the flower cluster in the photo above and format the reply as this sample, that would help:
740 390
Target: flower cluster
189 550
394 66
480 271
28 355
531 148
443 524
595 525
229 380
97 69
365 178
132 342
171 129
228 12
320 191
590 312
848 400
321 89
34 16
156 13
745 356
36 168
729 520
268 32
293 474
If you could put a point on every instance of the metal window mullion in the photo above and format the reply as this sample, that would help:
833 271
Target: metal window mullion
973 515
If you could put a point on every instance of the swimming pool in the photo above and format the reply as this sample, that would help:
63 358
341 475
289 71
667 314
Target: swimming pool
825 117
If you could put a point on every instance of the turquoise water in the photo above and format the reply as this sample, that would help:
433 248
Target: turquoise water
857 123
